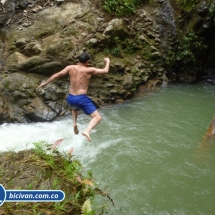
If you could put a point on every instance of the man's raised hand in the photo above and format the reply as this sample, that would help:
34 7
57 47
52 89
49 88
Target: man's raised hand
107 60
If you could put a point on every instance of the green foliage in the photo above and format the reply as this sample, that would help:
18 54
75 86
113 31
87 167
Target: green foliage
39 148
53 170
188 5
66 168
129 47
147 54
121 7
187 52
113 47
212 7
118 48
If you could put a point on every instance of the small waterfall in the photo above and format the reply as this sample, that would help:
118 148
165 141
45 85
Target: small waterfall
165 22
169 15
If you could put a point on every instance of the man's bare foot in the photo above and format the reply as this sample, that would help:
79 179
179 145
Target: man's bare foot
76 131
87 135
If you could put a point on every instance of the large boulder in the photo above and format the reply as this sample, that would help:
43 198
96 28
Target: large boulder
117 28
23 103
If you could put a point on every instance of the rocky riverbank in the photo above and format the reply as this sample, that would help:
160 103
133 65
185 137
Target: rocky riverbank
39 38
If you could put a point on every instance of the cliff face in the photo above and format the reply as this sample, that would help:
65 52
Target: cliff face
40 38
196 40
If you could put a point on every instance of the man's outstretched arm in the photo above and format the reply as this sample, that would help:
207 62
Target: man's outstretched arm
105 70
54 77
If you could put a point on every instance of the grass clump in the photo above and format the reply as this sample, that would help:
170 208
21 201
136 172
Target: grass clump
42 168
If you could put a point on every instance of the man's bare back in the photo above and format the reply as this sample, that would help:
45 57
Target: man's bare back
80 76
79 79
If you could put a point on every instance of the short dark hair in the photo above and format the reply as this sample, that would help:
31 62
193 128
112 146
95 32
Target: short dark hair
84 57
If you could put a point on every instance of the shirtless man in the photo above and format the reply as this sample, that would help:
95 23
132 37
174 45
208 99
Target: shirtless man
80 76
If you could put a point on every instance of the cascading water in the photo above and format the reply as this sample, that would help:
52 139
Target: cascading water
168 15
165 23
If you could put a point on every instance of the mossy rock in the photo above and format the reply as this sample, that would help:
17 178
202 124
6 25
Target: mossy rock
30 63
60 49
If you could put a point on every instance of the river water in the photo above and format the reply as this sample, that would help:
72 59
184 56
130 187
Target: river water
148 153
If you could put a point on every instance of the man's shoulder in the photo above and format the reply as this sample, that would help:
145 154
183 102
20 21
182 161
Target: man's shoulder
90 69
85 69
71 66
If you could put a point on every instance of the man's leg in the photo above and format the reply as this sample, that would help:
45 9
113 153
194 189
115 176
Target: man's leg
74 118
96 118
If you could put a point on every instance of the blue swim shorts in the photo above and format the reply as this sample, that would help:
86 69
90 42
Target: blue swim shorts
81 102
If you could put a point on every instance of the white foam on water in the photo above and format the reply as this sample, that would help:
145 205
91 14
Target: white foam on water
19 137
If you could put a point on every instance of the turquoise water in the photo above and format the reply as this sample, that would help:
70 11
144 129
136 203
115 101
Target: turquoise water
148 153
158 163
